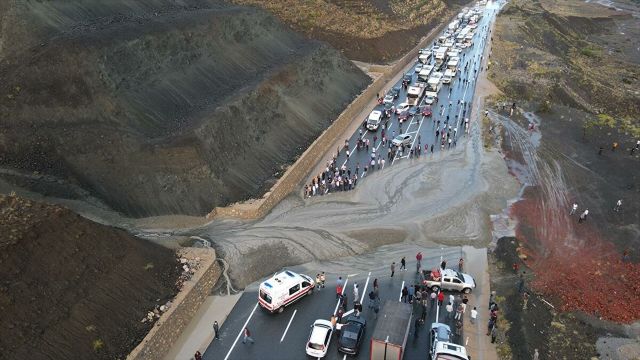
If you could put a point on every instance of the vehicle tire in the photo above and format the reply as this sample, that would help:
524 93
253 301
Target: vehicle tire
435 288
466 290
280 310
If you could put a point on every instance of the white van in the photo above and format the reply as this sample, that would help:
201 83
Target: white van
283 289
373 122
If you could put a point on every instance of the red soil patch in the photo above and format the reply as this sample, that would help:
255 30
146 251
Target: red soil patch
574 265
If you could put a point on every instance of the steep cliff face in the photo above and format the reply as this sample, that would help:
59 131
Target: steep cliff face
156 108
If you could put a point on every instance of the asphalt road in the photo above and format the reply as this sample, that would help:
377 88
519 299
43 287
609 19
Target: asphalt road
423 129
283 336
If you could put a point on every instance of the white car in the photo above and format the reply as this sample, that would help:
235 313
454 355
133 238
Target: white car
320 338
402 107
403 139
418 68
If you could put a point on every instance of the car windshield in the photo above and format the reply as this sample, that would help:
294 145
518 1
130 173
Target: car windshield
449 357
264 296
315 346
459 275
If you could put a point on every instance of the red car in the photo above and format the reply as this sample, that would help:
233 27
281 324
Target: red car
404 115
426 111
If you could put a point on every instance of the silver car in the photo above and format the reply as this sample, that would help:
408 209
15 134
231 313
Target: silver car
403 139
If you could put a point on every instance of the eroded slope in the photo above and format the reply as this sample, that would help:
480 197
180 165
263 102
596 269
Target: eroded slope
156 108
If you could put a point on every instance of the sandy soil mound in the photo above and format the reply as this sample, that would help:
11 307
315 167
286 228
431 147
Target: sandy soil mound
73 289
157 108
365 30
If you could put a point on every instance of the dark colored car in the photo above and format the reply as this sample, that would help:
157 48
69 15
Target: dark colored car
395 91
351 335
426 111
407 78
404 115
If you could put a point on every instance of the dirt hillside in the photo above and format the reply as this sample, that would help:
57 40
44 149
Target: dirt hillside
158 108
74 289
375 31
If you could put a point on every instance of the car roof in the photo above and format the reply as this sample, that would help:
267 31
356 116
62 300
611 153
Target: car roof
283 279
319 332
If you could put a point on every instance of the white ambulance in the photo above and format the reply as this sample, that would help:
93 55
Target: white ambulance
283 289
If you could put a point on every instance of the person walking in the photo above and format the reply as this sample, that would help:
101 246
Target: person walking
618 205
393 268
474 315
536 355
443 264
583 216
323 279
355 292
460 311
216 330
416 325
418 261
338 291
403 264
440 298
404 294
197 355
460 264
449 308
410 292
494 333
574 208
247 336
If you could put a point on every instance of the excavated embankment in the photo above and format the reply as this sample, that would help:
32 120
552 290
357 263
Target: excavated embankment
155 108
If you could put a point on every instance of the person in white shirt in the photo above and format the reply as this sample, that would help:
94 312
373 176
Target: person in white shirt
474 315
574 208
449 308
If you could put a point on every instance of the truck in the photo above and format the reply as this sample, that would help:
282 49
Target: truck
390 335
415 94
454 25
425 73
434 82
424 57
448 279
448 76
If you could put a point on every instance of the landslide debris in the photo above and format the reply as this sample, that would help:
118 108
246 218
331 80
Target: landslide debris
74 289
365 30
158 107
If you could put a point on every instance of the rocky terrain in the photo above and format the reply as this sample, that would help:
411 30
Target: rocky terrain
372 31
573 69
157 108
74 289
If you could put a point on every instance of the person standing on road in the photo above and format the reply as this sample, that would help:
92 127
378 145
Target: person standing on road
323 279
247 336
418 261
443 264
393 268
410 293
618 205
461 264
355 292
583 216
536 355
197 355
474 315
449 308
574 208
403 264
216 330
417 325
460 311
404 294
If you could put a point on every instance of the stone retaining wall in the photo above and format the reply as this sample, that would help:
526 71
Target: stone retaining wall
169 327
298 172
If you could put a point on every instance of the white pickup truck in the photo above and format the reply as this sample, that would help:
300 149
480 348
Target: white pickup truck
448 279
